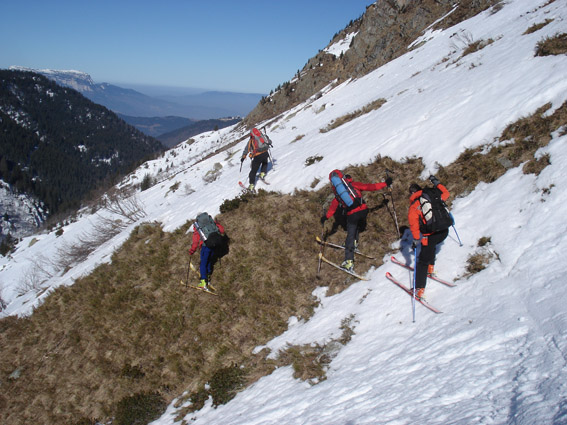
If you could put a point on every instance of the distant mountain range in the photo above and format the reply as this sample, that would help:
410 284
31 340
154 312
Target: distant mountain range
174 137
174 130
201 106
154 126
58 145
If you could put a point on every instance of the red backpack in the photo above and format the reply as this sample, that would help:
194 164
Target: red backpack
260 142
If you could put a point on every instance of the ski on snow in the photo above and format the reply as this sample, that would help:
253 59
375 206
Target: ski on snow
334 245
340 268
410 293
435 278
245 189
253 191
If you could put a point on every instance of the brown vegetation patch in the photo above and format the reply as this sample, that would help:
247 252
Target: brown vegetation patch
556 45
517 144
481 258
372 106
475 46
537 27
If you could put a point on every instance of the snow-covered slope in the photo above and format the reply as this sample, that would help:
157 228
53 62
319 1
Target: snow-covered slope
498 352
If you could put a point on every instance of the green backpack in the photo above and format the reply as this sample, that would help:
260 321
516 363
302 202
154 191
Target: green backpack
208 230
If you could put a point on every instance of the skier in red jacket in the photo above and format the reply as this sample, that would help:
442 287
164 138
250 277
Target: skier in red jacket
356 214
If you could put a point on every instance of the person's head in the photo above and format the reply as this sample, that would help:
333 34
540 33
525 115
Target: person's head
348 178
414 187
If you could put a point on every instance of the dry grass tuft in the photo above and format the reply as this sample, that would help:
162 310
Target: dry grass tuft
556 45
482 257
376 104
475 46
537 27
309 362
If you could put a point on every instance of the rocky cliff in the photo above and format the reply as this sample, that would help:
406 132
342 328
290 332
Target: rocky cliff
381 34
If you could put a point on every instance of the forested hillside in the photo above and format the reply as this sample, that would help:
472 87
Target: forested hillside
58 145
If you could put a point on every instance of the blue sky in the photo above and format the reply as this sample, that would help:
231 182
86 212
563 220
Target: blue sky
243 46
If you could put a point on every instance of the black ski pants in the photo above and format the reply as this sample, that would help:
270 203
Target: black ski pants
355 223
258 160
427 257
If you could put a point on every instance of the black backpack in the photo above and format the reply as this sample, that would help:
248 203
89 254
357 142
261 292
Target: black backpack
208 230
436 215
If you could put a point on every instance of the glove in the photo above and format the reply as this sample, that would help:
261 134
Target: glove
388 181
323 219
434 180
415 243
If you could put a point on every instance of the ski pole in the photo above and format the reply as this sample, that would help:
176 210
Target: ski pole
414 282
455 229
188 267
393 207
390 211
323 238
271 159
456 233
269 149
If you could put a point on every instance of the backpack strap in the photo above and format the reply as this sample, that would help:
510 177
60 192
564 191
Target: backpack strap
201 233
349 188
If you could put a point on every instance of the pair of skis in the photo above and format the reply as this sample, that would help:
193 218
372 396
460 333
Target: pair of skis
334 245
322 258
209 289
253 191
430 276
389 276
409 291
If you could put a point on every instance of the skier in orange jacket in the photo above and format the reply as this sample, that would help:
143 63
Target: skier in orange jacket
429 241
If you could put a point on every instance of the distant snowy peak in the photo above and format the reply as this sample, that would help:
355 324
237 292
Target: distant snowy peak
78 80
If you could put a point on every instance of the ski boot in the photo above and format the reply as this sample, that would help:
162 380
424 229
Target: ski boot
348 265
